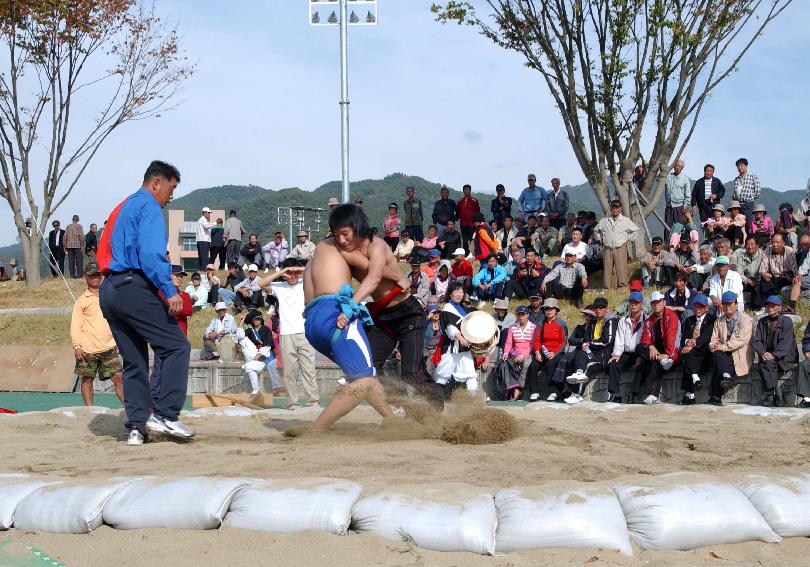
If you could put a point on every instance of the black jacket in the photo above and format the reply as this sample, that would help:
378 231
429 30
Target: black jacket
260 337
501 210
217 234
699 196
452 240
784 342
90 242
250 251
444 211
702 341
52 241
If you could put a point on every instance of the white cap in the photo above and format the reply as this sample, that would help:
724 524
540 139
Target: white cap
206 210
656 296
220 305
459 252
253 268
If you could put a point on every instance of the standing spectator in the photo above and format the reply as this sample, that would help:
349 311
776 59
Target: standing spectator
484 243
557 206
94 347
419 281
275 251
658 348
532 199
222 325
204 226
544 239
731 346
723 281
802 376
501 206
677 196
235 276
404 249
695 353
74 244
248 291
56 246
653 264
391 226
462 268
625 346
412 214
749 261
775 345
332 203
747 189
218 244
707 193
450 241
444 210
489 282
614 232
506 234
304 249
232 234
295 349
564 234
517 354
91 242
777 270
467 207
566 280
251 252
761 226
527 278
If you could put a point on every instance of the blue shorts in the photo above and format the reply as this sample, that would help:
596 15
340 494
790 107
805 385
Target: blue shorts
348 348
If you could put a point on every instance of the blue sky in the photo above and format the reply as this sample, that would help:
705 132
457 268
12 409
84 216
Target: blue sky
437 101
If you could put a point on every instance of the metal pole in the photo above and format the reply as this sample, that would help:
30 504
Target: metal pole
344 102
291 223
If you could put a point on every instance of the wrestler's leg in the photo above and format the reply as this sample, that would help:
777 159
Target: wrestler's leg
347 398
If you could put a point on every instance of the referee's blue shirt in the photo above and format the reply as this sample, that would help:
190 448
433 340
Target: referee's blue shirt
138 241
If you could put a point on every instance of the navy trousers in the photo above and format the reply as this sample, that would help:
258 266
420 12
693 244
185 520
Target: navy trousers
203 255
139 317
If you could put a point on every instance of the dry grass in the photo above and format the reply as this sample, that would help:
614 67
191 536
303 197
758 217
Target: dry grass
52 293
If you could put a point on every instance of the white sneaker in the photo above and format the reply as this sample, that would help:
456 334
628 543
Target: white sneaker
482 304
573 399
577 378
552 397
341 381
135 438
650 400
173 428
266 270
534 397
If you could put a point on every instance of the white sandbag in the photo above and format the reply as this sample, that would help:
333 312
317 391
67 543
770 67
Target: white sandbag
783 500
685 511
560 515
292 506
193 503
453 517
13 488
66 508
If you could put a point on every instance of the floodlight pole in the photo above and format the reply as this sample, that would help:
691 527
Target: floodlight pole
344 102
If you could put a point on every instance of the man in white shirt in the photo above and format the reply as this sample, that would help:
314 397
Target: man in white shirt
577 247
725 280
294 346
628 334
221 325
204 226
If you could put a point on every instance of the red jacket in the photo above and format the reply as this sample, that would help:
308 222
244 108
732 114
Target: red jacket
671 330
185 313
467 207
553 337
461 269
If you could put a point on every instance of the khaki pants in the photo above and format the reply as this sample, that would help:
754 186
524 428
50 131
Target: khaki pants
296 348
615 257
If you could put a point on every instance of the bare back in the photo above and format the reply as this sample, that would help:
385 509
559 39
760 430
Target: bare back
326 272
358 261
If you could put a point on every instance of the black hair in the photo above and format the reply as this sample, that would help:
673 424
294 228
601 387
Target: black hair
742 160
508 217
254 234
290 263
453 287
351 216
708 165
232 213
577 229
500 186
161 169
752 237
491 256
787 206
466 186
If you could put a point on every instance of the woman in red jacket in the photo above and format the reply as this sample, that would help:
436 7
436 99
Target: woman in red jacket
547 347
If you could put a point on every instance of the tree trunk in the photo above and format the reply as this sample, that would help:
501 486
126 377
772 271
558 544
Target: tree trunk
31 256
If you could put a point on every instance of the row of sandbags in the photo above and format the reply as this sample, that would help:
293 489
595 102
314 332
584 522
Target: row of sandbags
674 511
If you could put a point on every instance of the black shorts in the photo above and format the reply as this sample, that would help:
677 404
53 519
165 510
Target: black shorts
403 323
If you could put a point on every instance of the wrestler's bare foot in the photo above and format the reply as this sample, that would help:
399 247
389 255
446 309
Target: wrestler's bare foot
347 398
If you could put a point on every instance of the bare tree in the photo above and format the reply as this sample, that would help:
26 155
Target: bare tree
625 74
59 53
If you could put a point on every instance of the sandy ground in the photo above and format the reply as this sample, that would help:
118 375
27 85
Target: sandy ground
585 443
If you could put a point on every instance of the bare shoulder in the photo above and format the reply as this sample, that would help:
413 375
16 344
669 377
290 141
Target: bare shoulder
379 246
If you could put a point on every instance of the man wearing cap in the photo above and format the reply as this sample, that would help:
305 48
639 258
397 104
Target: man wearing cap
304 249
404 249
419 281
567 280
94 347
467 208
623 308
462 268
412 214
204 226
444 210
775 345
221 325
501 206
777 270
658 348
802 376
434 257
695 353
725 280
232 233
249 290
198 292
653 264
732 351
747 189
707 192
615 230
507 234
593 344
489 282
682 257
677 196
624 353
544 239
449 241
533 198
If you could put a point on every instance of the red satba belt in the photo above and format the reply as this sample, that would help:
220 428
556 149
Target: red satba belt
376 306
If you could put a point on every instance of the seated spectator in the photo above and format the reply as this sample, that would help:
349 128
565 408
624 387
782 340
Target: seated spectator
433 336
582 252
517 354
484 243
444 279
516 257
211 281
4 277
803 250
404 249
725 279
787 226
566 281
802 375
251 251
564 234
736 225
434 256
761 226
450 240
304 249
722 247
679 297
800 287
527 279
489 282
536 308
731 346
249 291
275 251
658 348
687 227
429 242
521 236
265 351
718 223
682 256
234 276
462 268
544 239
593 345
699 273
548 345
221 325
503 318
777 270
749 260
625 346
197 292
695 353
623 308
775 345
419 281
653 269
507 234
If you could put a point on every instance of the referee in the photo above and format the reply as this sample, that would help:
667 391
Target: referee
139 301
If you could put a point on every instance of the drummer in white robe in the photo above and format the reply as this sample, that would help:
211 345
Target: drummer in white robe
456 363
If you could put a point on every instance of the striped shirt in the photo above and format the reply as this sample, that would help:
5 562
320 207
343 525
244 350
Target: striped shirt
568 274
779 265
